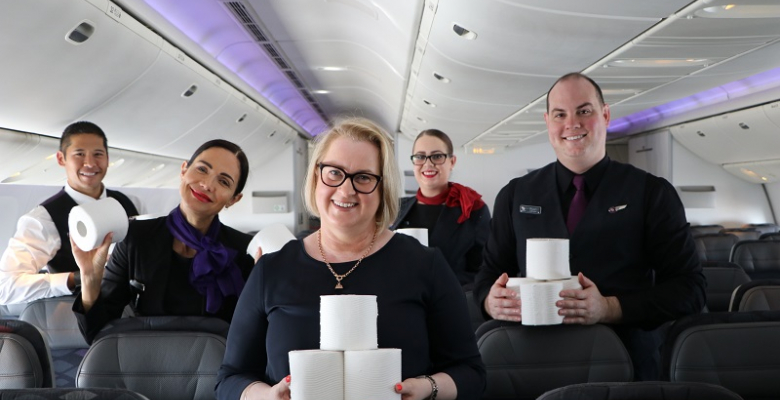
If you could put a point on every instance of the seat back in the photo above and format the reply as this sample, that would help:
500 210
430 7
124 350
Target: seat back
722 279
759 295
763 228
759 258
523 362
641 391
770 236
25 361
697 230
54 318
743 233
70 394
160 357
735 350
715 246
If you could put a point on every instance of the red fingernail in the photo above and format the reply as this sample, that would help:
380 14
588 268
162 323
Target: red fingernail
398 387
287 378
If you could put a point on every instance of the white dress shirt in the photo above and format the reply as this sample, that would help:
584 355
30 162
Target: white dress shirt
35 242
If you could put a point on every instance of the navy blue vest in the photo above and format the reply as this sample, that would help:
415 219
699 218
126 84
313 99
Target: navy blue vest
59 207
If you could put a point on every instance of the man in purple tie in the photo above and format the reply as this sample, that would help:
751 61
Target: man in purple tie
628 236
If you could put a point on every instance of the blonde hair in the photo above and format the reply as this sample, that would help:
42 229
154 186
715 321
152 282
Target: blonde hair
359 130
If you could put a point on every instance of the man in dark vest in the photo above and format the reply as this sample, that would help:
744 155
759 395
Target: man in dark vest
628 236
41 240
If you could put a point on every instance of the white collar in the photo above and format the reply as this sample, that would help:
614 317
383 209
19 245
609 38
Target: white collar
81 198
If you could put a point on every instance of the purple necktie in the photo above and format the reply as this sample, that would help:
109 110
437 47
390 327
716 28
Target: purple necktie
578 203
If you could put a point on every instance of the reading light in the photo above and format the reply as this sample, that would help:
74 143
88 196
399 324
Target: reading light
190 91
441 78
321 91
660 63
463 32
429 103
744 126
740 11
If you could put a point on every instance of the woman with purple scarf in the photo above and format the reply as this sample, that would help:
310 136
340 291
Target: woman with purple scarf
186 263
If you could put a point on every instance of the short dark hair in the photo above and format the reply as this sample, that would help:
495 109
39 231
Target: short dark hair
243 162
81 128
578 75
439 135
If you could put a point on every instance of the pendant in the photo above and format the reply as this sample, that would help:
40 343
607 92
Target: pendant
338 285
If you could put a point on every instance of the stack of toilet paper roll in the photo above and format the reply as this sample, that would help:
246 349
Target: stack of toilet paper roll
349 364
547 268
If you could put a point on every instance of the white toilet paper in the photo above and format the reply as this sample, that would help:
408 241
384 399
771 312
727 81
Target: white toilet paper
371 374
271 238
348 322
537 299
90 223
316 375
421 234
514 284
547 259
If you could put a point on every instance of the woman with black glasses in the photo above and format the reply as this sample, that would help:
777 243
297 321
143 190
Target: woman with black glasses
457 219
352 185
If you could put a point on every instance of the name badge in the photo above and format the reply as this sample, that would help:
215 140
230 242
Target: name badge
615 209
526 209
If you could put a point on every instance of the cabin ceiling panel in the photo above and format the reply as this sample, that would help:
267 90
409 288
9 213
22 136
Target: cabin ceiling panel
84 76
488 87
168 113
508 37
234 121
635 9
718 30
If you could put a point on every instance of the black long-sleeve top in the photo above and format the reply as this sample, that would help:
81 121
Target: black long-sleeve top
421 310
146 257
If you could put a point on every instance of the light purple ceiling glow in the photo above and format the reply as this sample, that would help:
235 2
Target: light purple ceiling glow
210 26
635 122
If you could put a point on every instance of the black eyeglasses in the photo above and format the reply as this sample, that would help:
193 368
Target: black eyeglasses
362 182
436 158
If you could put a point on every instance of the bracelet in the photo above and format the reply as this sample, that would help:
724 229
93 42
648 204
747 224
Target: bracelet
434 386
245 393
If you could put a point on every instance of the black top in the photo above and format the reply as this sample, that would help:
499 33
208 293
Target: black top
461 244
633 241
58 207
145 258
421 308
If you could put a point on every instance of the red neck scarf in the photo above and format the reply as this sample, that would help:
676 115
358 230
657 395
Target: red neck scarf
455 195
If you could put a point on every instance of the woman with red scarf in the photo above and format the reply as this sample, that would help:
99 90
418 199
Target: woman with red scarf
457 219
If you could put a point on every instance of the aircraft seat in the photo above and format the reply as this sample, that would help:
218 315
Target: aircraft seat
715 246
475 314
54 318
770 236
25 361
697 230
722 278
759 258
763 228
759 295
172 358
641 391
523 362
735 350
743 233
70 394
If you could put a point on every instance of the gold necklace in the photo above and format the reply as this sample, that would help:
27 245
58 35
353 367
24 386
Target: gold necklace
340 277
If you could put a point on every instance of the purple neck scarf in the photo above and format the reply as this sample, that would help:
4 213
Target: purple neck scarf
214 273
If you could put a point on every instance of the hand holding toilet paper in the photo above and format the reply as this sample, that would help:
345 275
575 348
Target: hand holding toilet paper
90 223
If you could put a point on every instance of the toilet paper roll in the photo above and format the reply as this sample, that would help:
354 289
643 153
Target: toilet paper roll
547 259
538 299
316 375
90 223
348 322
271 238
421 234
514 284
371 374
